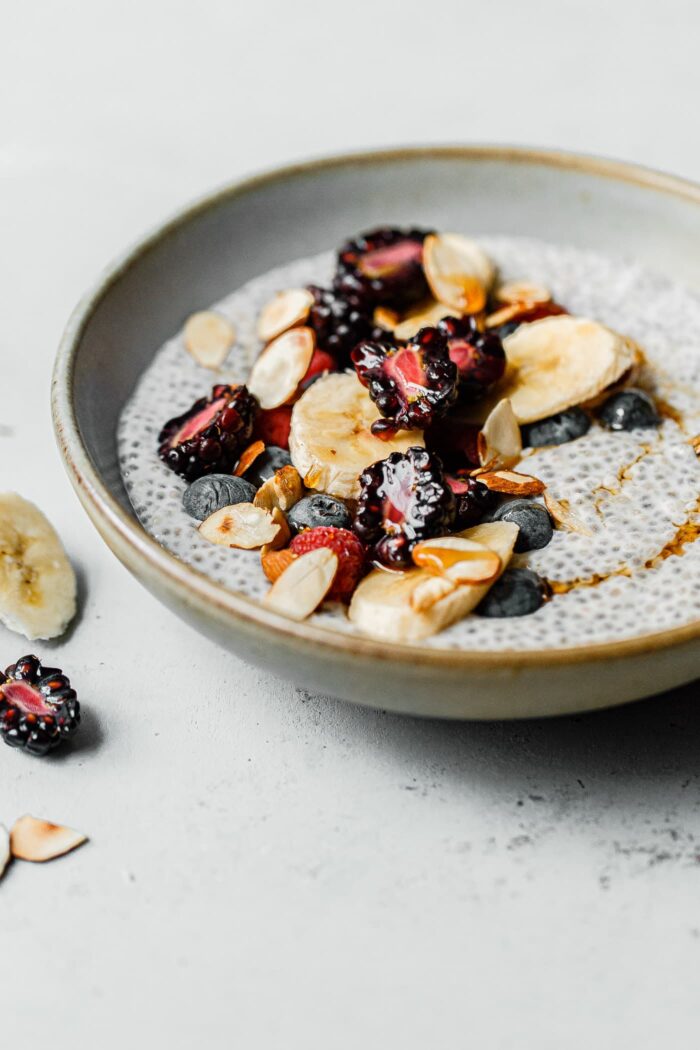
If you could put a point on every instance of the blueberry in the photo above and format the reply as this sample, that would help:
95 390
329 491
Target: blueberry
262 468
214 491
558 429
533 520
507 329
629 410
312 511
518 592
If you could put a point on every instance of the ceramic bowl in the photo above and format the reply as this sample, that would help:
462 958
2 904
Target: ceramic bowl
247 228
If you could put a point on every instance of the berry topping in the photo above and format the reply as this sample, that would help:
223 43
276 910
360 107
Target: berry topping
473 501
629 410
411 385
518 592
350 553
209 437
320 364
214 491
384 266
565 426
339 321
264 467
320 509
455 440
272 426
479 356
533 521
403 499
38 708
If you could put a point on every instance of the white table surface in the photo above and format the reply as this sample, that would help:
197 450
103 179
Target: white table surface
268 868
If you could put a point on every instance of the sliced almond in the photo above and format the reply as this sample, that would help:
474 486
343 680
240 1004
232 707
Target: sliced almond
458 271
283 536
282 490
40 840
500 442
241 525
563 517
425 317
5 852
511 483
304 584
281 366
504 315
523 292
275 562
385 318
209 338
429 590
285 311
248 458
458 559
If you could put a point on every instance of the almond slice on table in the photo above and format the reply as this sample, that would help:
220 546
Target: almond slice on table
275 562
248 457
511 482
559 362
241 525
5 852
40 840
563 517
523 292
281 366
286 310
209 338
427 316
282 490
382 605
304 584
500 443
458 271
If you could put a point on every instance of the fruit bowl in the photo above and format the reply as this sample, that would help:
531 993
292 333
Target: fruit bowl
227 239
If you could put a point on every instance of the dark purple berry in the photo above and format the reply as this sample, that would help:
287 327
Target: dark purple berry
629 410
209 437
518 592
383 266
38 707
479 356
339 321
473 501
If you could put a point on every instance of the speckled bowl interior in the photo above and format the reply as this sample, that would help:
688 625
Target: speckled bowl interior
246 229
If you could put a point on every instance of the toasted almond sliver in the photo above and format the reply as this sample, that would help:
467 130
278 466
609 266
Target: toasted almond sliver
282 490
458 271
500 442
563 517
304 584
426 317
248 458
523 292
429 590
281 366
209 337
240 525
511 483
460 560
283 536
285 311
504 315
39 840
5 852
385 318
275 562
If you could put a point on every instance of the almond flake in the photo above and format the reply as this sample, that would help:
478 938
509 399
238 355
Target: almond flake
523 292
458 271
39 840
426 317
281 366
429 590
511 483
282 490
209 337
500 442
248 458
561 514
275 562
240 525
304 584
385 318
5 852
283 536
458 559
285 311
504 315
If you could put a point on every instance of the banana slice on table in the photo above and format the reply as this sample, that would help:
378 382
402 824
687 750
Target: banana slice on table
37 582
382 605
559 362
330 440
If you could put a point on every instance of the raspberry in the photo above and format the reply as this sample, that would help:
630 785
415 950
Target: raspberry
412 385
320 362
479 356
339 321
383 266
38 707
272 426
209 437
350 551
403 499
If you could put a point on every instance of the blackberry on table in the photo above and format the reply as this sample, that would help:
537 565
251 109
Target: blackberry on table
403 499
38 707
209 437
339 321
479 356
383 266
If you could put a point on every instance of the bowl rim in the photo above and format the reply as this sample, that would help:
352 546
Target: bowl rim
144 556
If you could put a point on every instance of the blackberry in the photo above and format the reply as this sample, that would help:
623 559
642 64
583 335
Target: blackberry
209 437
339 321
383 266
479 356
38 707
403 499
412 385
473 501
455 440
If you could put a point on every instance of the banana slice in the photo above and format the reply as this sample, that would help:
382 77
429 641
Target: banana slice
383 606
559 362
330 440
37 582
